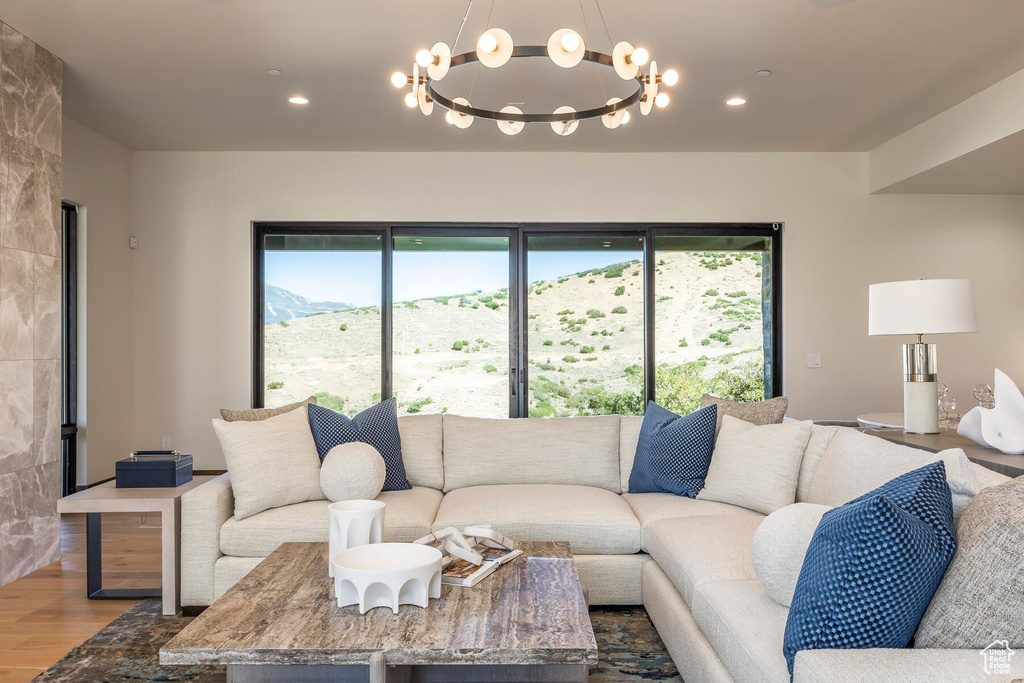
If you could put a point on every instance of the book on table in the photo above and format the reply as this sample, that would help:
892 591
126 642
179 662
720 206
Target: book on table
472 556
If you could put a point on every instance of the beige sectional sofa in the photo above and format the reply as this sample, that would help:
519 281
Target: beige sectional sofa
688 561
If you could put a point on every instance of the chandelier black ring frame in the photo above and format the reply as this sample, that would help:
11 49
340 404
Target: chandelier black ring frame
537 51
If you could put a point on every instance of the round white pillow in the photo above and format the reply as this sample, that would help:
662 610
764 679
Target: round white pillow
352 471
780 544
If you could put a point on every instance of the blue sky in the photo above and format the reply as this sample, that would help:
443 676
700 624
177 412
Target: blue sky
354 277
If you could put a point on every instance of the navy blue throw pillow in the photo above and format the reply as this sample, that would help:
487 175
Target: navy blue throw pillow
674 452
873 566
377 426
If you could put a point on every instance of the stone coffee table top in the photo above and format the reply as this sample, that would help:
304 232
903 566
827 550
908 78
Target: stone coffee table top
531 611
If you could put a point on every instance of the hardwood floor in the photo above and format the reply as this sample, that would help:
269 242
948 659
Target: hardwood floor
45 614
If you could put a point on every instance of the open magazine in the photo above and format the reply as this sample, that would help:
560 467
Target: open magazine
470 555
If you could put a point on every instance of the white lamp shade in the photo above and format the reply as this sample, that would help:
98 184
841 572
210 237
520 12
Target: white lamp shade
922 307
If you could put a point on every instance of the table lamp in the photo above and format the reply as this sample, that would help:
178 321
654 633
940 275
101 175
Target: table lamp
920 307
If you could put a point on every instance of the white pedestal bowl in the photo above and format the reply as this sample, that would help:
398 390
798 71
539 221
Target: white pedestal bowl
387 575
353 523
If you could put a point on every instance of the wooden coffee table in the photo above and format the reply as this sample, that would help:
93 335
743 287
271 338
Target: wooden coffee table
527 622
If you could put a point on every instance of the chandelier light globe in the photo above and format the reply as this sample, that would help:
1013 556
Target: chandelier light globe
625 117
411 101
494 48
458 119
568 127
511 127
662 100
399 79
640 56
670 77
448 117
441 61
424 58
559 44
622 61
614 119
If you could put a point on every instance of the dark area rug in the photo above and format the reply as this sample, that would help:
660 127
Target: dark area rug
126 650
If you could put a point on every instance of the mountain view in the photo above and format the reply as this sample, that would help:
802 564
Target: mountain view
284 305
585 339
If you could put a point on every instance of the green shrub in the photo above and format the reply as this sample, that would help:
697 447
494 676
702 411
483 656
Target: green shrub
623 328
548 342
663 299
606 347
417 405
416 351
335 403
606 333
475 306
635 273
594 313
493 305
590 358
705 342
620 310
615 270
501 295
587 349
343 327
711 292
459 345
737 295
284 324
275 385
590 282
620 290
490 368
570 359
683 343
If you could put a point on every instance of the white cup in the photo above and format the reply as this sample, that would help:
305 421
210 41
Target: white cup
352 523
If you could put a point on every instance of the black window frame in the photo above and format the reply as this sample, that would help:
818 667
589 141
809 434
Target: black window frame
69 355
518 303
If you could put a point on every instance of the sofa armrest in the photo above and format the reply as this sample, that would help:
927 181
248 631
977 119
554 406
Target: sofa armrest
900 666
204 510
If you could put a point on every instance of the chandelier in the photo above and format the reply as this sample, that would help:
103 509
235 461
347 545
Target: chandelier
566 48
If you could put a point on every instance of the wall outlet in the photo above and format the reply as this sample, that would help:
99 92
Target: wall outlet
814 360
133 242
165 443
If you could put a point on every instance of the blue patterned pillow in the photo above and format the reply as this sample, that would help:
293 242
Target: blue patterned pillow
377 426
873 566
674 452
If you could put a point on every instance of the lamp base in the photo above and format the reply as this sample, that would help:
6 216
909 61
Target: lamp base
921 407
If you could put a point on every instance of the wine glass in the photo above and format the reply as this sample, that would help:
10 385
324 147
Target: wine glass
983 394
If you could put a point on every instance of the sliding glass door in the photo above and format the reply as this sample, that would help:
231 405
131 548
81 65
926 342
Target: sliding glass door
515 321
585 331
451 323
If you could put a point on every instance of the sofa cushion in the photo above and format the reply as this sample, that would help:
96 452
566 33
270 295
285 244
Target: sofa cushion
696 550
745 626
407 517
651 507
756 466
855 463
581 451
593 520
377 426
780 544
421 449
981 597
629 437
821 437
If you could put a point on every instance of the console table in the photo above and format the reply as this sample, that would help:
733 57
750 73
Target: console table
889 426
108 498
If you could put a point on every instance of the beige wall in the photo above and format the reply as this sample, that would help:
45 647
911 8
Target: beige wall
30 313
191 281
97 177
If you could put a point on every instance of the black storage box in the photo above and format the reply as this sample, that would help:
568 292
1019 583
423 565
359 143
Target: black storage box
154 471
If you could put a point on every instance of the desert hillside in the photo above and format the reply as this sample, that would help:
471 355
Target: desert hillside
585 337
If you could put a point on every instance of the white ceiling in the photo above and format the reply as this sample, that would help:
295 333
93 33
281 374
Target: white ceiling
191 75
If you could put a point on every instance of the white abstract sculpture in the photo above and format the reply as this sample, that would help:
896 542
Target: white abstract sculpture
1001 427
387 575
353 523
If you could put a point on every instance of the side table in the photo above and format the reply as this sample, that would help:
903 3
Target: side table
108 498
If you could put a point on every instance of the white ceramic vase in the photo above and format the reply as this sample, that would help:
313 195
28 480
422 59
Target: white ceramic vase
352 523
387 575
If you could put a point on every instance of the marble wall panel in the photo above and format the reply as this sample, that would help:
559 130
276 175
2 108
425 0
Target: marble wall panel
46 308
16 304
46 413
30 306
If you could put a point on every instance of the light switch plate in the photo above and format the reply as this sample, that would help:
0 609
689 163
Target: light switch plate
165 443
814 360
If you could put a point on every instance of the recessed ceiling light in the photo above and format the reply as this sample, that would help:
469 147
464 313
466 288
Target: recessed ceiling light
298 100
763 72
735 101
830 3
273 72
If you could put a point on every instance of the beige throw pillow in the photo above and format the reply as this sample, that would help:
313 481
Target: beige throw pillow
767 412
271 463
257 414
981 597
779 546
756 467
